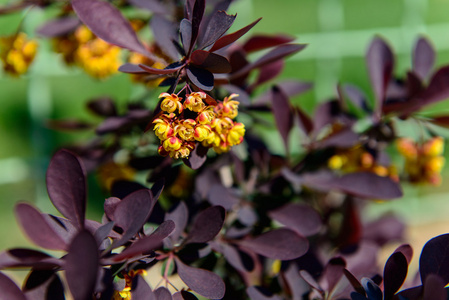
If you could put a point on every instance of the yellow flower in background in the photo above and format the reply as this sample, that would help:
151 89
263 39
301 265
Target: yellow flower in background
17 52
423 161
111 172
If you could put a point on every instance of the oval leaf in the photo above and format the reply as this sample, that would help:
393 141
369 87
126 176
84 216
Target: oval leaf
58 27
299 217
395 272
141 290
201 78
434 256
107 23
9 289
210 61
81 265
423 58
203 282
283 114
162 293
207 225
282 244
66 186
37 229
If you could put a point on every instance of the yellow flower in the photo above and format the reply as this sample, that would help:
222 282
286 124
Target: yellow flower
336 162
17 53
407 148
98 58
206 116
111 172
230 107
194 101
183 151
235 134
202 132
171 102
434 146
185 129
172 144
163 128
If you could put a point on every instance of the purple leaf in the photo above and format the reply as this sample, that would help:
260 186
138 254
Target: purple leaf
43 284
423 58
438 88
434 288
58 27
197 16
207 225
107 23
203 282
103 232
184 295
289 87
275 54
185 28
334 272
310 281
268 72
132 69
162 293
258 293
395 272
356 96
345 138
66 186
132 213
247 216
68 124
179 216
165 32
197 157
110 204
434 258
104 107
165 71
147 243
282 244
300 217
210 61
283 114
201 78
27 258
9 289
141 290
234 257
354 282
221 195
37 229
261 42
407 251
441 121
380 63
368 185
81 265
232 37
219 23
385 229
304 121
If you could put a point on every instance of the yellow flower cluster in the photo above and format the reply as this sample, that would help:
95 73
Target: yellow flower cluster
137 58
17 53
212 125
357 159
423 162
98 58
125 294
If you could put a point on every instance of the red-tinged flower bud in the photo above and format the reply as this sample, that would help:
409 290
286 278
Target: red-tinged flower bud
202 132
206 116
185 129
172 144
162 151
235 134
163 128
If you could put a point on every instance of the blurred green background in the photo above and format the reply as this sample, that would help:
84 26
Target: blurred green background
338 33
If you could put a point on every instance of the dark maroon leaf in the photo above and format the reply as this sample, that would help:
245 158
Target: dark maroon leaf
201 78
58 27
27 258
162 293
43 284
207 225
69 125
221 195
110 204
407 251
210 61
300 217
165 33
184 295
107 23
154 6
384 230
368 185
141 290
261 42
9 289
258 293
37 229
282 244
354 282
412 293
203 282
132 213
232 37
275 54
132 69
219 23
372 290
441 121
345 138
356 96
103 232
147 243
234 257
310 281
434 258
304 121
197 157
81 265
294 282
162 71
197 16
289 87
380 62
283 114
395 272
434 288
247 216
334 272
185 29
157 188
103 106
179 216
438 89
66 186
269 72
423 58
